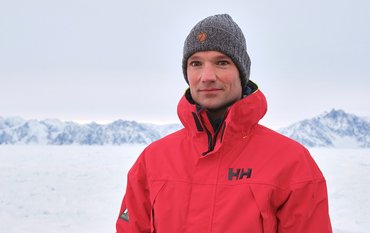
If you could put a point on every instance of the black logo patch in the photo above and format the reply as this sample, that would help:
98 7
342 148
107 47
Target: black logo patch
239 173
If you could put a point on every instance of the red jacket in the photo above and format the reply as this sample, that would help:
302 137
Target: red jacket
247 178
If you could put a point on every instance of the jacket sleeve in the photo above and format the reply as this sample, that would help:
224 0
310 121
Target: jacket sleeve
306 207
134 216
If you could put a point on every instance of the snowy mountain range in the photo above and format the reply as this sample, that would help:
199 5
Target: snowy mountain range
331 129
16 130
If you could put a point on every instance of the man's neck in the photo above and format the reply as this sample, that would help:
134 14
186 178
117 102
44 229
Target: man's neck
215 114
216 117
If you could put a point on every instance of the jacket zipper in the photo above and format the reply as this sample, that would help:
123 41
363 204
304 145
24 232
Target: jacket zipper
212 140
211 144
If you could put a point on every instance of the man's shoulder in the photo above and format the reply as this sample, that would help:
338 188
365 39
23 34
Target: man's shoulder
161 152
292 157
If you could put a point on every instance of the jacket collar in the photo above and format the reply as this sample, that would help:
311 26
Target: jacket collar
240 117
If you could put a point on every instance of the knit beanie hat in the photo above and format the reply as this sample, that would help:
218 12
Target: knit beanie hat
218 33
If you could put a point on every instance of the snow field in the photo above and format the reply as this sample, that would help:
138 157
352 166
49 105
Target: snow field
347 172
78 189
59 189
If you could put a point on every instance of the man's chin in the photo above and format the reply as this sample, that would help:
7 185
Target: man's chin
220 107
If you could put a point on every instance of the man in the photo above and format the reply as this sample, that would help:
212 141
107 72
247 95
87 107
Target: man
223 172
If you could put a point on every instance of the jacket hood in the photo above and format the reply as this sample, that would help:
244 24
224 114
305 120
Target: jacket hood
240 117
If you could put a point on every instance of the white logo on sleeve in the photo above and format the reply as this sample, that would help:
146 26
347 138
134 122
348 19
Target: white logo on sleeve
124 215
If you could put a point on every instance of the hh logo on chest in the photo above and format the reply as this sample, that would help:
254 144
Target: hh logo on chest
239 173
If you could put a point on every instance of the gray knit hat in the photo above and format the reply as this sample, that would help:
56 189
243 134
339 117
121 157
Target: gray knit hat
219 33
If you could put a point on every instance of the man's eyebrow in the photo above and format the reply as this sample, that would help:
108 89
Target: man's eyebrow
223 57
194 57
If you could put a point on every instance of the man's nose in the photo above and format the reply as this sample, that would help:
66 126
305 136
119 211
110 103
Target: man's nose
208 73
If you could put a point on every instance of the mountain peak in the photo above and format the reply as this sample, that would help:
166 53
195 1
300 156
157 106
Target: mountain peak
336 112
336 128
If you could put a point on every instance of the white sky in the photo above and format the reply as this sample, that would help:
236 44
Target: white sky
89 60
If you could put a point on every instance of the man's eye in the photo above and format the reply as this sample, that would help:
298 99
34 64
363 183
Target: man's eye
194 63
223 63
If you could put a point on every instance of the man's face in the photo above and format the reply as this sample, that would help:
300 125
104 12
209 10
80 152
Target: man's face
213 79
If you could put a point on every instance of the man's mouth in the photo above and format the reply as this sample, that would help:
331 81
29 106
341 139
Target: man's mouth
210 90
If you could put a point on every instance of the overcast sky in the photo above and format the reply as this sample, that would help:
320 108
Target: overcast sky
90 60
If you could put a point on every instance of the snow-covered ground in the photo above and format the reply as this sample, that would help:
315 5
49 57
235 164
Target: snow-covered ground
78 189
69 189
347 172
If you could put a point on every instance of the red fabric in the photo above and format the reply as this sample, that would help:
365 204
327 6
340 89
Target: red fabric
173 188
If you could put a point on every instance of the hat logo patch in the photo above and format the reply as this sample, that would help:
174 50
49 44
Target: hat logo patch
201 37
